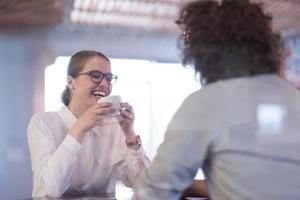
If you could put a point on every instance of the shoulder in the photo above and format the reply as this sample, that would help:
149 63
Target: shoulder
200 100
224 93
46 126
44 118
209 93
202 108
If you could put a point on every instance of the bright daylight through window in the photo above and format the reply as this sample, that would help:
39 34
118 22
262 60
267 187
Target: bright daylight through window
155 90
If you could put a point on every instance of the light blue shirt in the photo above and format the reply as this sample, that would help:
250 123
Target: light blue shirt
245 135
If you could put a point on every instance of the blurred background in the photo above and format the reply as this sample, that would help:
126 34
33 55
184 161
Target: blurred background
37 37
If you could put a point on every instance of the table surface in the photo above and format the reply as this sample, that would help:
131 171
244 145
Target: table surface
72 198
95 197
99 198
78 196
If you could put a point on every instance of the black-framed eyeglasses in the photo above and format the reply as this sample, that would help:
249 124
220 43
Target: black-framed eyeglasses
97 76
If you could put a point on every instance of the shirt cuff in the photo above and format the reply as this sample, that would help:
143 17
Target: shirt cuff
139 152
71 144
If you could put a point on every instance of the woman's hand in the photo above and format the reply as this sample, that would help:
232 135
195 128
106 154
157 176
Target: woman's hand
94 116
126 121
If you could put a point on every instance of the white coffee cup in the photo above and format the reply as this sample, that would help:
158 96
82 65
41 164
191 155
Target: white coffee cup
115 100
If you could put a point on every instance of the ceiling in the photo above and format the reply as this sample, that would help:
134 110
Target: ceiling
142 15
30 13
159 15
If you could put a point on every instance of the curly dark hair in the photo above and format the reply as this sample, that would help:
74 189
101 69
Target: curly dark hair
233 38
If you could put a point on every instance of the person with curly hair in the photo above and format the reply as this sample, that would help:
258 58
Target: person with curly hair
242 127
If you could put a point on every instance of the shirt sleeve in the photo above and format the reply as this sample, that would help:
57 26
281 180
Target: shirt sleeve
178 159
134 162
52 165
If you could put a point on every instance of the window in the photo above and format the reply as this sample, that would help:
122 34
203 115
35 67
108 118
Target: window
155 90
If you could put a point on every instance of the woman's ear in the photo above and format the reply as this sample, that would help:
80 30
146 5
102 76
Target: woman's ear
70 83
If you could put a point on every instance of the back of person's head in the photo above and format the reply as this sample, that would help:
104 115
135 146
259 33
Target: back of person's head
227 39
76 66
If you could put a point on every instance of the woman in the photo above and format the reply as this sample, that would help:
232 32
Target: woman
81 149
242 127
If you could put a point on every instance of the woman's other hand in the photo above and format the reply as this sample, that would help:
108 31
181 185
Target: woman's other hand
126 121
94 116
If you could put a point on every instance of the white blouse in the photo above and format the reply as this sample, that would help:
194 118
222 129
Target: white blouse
61 165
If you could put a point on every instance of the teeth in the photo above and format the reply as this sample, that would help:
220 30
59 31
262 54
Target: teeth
100 93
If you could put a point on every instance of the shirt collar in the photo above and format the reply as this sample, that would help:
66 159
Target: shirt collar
67 116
